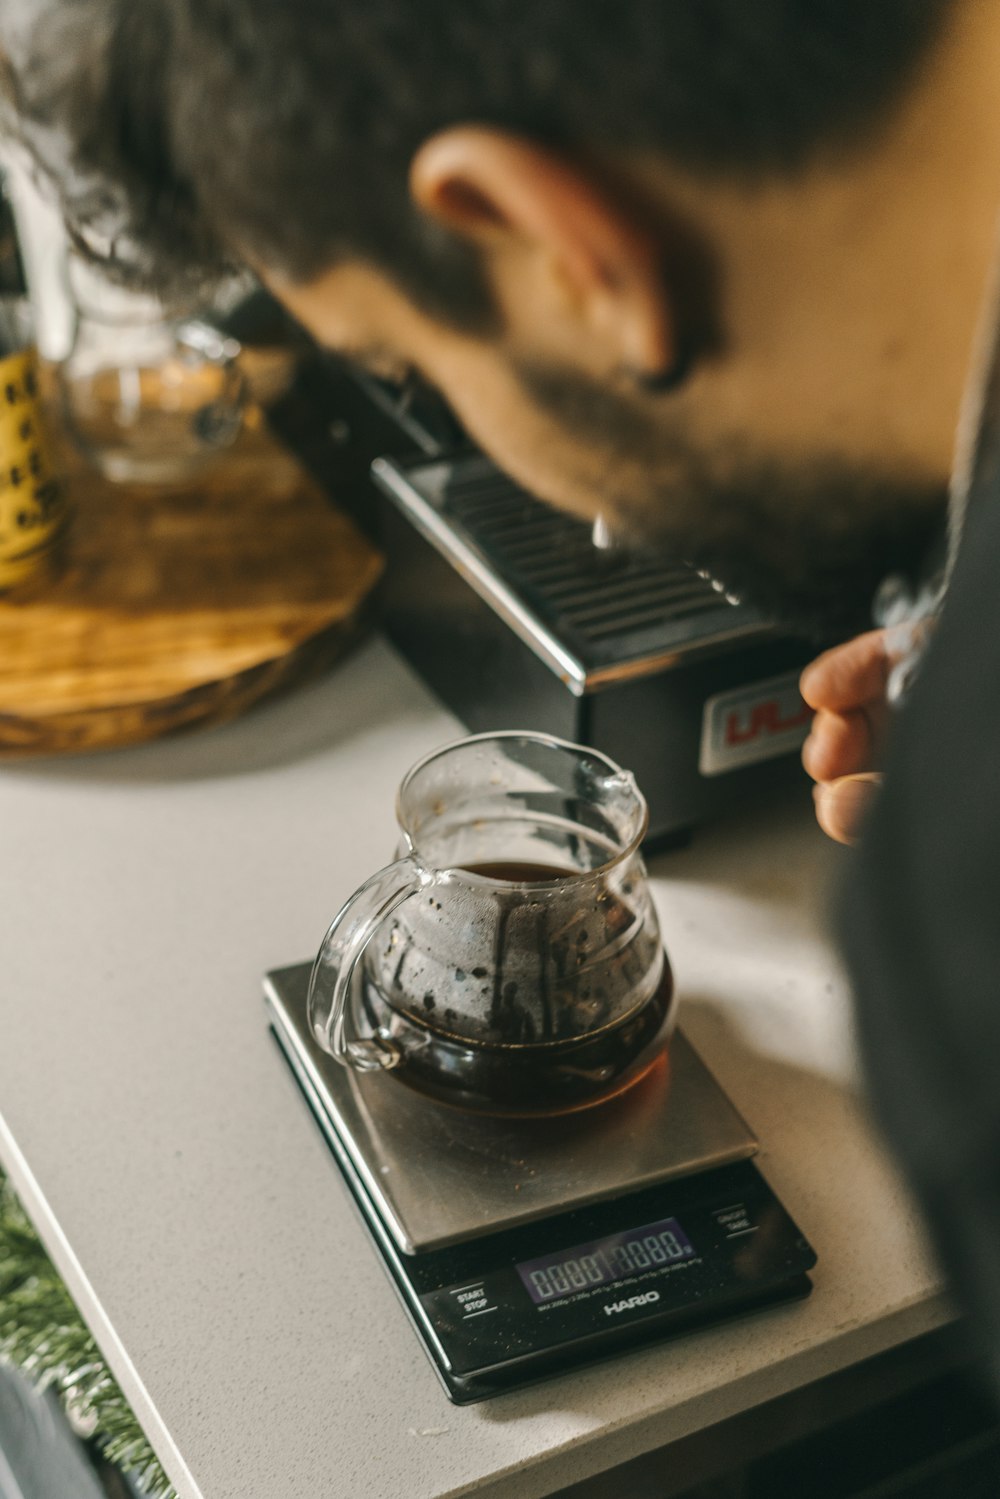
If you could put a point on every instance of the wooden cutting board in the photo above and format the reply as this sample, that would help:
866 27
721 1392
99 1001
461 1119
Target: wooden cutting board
183 606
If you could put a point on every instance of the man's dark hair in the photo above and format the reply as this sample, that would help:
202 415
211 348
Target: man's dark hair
282 130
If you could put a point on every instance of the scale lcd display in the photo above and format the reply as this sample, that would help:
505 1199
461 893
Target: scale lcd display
587 1266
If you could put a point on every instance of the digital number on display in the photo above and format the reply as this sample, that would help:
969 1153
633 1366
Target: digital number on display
598 1264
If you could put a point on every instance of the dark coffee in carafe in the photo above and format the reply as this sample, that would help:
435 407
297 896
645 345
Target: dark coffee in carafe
509 960
489 1041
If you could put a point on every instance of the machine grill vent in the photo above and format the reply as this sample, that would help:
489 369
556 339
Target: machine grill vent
600 597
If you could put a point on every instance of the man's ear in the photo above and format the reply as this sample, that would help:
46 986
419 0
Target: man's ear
493 188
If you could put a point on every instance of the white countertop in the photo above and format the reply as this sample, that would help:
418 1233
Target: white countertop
183 1190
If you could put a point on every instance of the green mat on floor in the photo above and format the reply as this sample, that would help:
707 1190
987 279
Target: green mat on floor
43 1334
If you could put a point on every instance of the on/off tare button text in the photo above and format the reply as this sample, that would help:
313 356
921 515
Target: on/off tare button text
735 1220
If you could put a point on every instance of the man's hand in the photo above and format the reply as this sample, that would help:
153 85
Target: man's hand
847 687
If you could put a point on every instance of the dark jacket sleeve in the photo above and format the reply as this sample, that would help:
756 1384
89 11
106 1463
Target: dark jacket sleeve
919 923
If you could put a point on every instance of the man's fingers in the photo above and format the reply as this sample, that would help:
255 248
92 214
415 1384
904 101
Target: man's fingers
839 744
842 806
848 676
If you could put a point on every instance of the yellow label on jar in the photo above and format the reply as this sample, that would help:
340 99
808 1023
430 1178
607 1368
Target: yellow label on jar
32 501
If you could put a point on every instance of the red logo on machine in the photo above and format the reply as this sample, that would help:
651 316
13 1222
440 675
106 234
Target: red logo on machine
747 726
755 722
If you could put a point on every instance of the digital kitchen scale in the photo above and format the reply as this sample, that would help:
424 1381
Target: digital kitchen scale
522 1248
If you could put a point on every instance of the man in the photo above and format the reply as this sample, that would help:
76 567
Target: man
710 269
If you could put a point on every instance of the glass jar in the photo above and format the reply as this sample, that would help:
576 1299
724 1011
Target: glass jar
148 398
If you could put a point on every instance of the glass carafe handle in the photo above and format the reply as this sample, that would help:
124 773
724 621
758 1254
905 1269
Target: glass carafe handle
352 929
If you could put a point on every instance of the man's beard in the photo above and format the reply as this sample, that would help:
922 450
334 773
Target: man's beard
808 543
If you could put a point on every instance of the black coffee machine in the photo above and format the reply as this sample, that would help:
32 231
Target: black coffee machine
517 619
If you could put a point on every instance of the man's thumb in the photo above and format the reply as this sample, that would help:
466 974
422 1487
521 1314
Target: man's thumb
842 806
